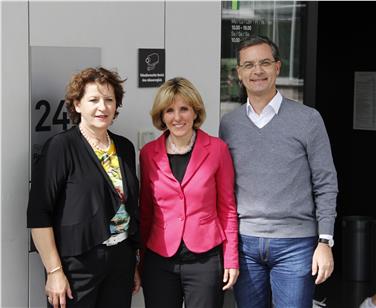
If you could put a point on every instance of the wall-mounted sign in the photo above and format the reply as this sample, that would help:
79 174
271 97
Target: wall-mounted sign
51 69
365 101
151 68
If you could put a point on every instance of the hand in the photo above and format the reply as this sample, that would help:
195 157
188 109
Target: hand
137 281
322 263
57 288
230 276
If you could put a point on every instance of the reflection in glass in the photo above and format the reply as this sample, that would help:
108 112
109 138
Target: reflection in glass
283 22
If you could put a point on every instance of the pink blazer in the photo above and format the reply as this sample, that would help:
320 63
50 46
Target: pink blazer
201 210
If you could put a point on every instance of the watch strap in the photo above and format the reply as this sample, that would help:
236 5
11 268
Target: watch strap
330 243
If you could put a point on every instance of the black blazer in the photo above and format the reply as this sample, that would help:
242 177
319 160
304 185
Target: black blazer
72 193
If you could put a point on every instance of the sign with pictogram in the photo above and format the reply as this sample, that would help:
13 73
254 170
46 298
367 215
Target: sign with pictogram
151 67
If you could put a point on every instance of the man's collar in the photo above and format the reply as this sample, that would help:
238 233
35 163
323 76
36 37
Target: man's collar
275 103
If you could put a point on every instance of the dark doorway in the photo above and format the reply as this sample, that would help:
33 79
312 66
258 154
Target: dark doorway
345 45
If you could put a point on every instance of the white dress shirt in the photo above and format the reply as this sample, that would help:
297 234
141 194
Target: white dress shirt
267 114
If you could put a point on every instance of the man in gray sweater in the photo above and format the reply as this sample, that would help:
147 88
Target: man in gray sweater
286 187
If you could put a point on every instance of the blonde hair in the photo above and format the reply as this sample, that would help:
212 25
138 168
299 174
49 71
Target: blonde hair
166 95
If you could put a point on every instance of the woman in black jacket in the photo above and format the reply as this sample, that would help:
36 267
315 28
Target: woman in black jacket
82 209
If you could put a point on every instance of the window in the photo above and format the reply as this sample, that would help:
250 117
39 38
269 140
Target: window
281 21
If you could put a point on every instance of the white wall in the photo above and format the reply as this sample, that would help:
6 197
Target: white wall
1 61
193 49
190 32
119 29
14 154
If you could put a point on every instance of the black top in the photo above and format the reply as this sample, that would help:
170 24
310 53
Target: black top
72 192
178 164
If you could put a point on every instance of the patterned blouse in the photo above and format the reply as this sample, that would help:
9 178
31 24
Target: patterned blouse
110 162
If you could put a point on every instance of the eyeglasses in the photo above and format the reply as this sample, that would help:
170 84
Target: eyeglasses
265 64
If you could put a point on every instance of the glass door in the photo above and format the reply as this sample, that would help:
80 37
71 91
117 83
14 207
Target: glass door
285 22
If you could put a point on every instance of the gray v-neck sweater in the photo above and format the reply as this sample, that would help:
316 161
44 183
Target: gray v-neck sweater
286 182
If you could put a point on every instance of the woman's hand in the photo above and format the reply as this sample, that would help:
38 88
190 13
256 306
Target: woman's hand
57 285
230 276
57 288
137 281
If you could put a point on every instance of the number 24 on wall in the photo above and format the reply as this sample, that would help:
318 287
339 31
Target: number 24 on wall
56 120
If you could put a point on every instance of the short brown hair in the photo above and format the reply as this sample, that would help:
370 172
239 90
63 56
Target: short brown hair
258 40
76 88
166 95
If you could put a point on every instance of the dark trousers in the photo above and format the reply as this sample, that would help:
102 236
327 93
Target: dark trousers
101 277
167 282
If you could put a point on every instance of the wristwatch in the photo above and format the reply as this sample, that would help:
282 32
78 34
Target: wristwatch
330 242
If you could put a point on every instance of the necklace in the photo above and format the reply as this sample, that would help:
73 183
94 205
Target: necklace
96 144
173 149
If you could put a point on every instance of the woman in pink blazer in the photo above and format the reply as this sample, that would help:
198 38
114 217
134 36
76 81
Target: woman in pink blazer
189 225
